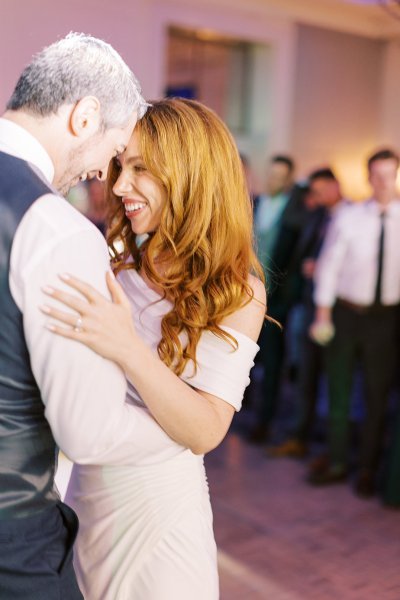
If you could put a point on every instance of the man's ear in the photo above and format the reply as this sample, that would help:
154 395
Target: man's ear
85 117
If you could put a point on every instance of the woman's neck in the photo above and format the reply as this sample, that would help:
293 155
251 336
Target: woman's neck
160 267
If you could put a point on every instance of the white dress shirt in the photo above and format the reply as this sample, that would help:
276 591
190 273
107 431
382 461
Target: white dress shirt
84 394
348 264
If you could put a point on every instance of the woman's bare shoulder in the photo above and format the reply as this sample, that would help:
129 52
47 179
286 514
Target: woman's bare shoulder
249 318
258 288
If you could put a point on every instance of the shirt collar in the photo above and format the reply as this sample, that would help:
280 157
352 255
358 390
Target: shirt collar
276 199
17 141
392 208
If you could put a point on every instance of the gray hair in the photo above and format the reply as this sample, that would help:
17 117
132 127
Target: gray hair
76 66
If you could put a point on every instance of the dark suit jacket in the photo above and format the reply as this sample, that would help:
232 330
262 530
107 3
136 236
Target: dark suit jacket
297 239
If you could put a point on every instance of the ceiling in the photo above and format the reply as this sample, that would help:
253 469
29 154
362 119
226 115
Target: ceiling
379 19
360 1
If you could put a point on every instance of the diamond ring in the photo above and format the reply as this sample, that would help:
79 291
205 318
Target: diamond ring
78 324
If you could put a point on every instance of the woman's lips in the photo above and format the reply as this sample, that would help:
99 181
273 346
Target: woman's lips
133 208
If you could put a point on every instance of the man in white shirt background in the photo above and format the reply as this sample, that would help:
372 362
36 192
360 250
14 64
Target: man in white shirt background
269 207
357 295
73 109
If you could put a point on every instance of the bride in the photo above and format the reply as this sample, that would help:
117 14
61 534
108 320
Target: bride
186 311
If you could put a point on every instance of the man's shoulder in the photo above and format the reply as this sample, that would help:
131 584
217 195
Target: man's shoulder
349 211
50 226
56 215
53 207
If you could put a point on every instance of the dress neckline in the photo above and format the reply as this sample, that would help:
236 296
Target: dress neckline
149 291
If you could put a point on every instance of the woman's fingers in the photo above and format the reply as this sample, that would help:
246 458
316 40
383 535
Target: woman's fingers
74 321
117 293
88 291
80 306
67 332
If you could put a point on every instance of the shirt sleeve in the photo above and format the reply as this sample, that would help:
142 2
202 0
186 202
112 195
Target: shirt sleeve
83 394
222 370
329 263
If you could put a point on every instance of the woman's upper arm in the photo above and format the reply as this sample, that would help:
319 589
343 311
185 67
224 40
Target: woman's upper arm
229 376
250 318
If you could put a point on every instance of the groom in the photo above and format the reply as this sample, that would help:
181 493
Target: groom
73 109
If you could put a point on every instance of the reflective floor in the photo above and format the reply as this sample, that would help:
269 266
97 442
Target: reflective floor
280 539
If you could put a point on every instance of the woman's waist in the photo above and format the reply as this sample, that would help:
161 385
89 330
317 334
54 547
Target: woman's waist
182 469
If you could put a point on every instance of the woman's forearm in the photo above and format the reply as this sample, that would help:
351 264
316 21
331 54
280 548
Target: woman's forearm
190 418
196 420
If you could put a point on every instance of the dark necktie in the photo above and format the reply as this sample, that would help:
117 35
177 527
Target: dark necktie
378 287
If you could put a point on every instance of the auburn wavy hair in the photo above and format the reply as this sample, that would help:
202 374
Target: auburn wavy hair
202 252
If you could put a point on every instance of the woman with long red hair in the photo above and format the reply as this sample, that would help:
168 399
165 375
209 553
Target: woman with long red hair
187 307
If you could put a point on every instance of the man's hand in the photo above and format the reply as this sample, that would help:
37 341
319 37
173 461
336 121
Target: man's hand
322 329
308 268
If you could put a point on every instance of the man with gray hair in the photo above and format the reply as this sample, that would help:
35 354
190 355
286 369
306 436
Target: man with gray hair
73 109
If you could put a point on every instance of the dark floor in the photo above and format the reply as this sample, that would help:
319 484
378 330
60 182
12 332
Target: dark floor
280 539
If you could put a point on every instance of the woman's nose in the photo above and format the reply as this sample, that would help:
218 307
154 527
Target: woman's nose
122 185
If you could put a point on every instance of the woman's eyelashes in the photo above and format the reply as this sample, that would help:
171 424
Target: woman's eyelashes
139 168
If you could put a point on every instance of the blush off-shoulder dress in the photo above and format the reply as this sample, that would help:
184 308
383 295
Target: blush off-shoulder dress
146 526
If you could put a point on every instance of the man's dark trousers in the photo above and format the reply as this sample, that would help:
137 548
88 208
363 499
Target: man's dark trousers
272 347
371 335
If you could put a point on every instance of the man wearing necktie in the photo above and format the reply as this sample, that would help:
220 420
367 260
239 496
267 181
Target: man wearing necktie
357 294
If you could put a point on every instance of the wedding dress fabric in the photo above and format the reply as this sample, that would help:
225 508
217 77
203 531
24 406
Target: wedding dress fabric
146 527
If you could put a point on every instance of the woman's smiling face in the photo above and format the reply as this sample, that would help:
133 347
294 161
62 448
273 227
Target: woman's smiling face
142 194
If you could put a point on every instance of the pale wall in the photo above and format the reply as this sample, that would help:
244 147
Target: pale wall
138 30
28 25
390 123
271 121
338 102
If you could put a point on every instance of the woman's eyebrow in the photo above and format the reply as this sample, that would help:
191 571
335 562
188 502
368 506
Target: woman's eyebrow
132 159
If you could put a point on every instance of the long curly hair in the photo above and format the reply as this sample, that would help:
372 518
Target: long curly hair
204 243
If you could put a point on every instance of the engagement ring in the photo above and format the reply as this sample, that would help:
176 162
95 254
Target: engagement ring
78 324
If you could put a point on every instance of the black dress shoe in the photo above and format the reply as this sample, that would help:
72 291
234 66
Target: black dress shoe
365 484
327 475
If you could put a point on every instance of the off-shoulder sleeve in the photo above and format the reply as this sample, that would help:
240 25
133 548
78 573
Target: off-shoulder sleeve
221 369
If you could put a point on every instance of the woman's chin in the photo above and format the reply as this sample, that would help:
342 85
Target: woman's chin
143 228
140 230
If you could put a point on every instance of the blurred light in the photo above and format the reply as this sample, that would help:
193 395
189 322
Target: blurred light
205 35
352 173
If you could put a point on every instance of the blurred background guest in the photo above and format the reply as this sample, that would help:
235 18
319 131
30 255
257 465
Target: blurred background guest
324 199
281 258
357 293
269 210
269 207
391 486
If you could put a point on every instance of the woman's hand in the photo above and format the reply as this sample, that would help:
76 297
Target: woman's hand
104 326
